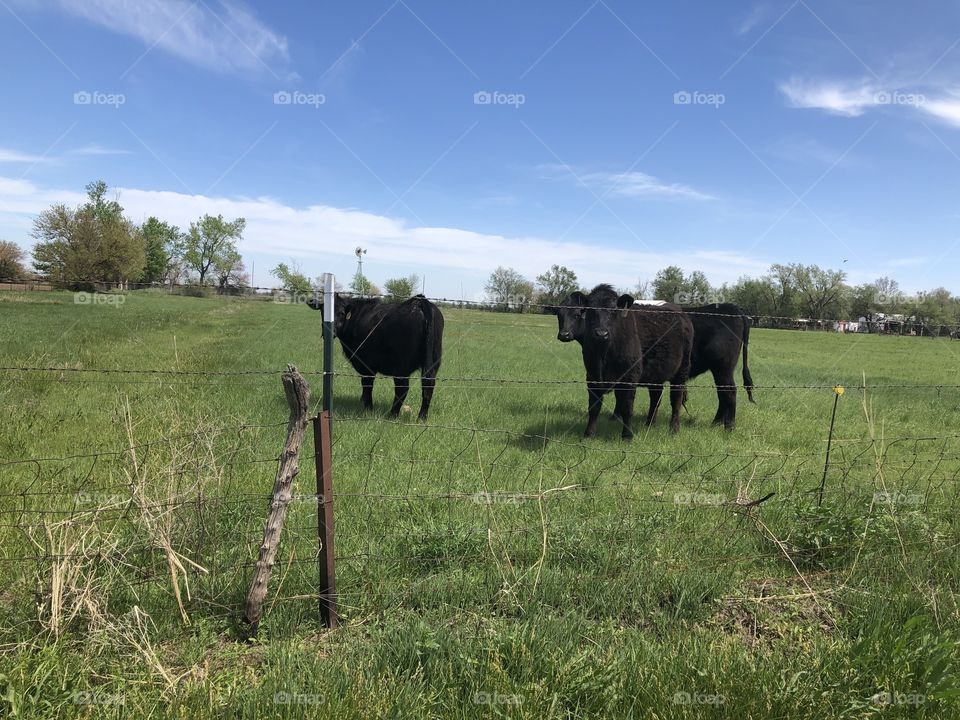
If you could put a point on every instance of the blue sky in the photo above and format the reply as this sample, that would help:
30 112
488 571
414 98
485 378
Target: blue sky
619 137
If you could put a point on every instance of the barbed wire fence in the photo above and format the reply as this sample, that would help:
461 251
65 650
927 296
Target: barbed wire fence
480 521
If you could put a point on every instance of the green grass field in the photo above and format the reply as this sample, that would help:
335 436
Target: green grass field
491 563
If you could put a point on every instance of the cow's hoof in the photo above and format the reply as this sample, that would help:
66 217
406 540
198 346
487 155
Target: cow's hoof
627 438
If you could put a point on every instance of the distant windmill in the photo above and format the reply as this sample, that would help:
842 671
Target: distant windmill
360 252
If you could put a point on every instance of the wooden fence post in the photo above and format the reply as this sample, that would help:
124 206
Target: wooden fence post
298 397
328 570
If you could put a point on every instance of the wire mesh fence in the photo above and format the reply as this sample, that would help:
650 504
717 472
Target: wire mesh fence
467 520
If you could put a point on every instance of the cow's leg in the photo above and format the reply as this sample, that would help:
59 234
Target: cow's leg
677 391
626 411
727 396
656 392
427 383
618 405
400 386
594 403
366 395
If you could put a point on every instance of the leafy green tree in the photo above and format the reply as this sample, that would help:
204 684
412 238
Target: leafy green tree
230 271
757 296
556 284
93 242
292 279
211 243
162 248
668 284
11 261
509 290
362 286
401 288
821 293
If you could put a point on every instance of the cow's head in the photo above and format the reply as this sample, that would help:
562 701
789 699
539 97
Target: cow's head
570 314
341 311
603 307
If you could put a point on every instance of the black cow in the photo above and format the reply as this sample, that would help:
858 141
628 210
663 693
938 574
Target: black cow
392 339
625 348
719 331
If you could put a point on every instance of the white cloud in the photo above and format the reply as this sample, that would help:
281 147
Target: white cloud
321 237
758 14
838 98
95 149
15 156
638 184
624 184
946 108
219 36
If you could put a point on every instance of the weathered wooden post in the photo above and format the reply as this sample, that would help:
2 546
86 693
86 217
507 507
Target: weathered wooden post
298 397
327 558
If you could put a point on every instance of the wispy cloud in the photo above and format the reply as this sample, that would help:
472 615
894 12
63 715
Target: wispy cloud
222 36
15 156
945 108
757 15
838 98
632 184
96 150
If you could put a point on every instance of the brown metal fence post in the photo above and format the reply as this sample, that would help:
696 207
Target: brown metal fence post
328 570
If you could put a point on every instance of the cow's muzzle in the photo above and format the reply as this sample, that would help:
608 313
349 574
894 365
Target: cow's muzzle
601 334
564 336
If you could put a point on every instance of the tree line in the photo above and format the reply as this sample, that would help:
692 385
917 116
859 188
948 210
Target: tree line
96 241
792 291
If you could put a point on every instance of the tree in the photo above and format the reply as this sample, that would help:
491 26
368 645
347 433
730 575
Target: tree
292 279
230 271
668 284
11 261
757 296
362 286
642 290
509 289
162 248
210 242
556 284
822 293
93 242
401 288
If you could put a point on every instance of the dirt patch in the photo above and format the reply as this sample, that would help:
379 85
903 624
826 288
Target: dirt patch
772 610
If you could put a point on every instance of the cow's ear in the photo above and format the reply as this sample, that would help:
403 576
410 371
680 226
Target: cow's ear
625 301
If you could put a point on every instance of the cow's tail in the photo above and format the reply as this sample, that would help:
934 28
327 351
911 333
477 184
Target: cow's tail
747 379
433 349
